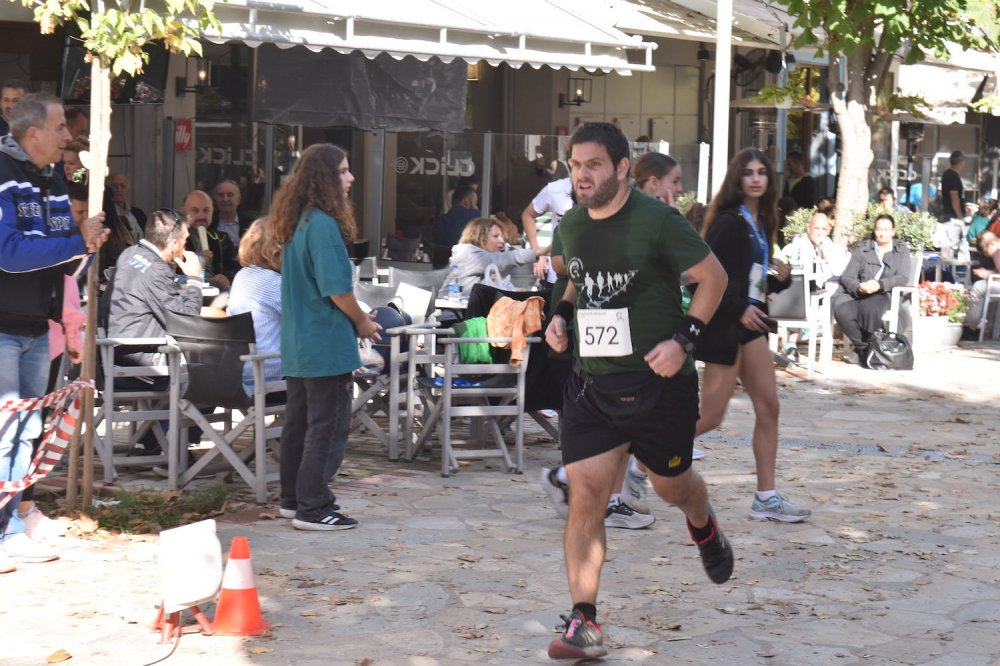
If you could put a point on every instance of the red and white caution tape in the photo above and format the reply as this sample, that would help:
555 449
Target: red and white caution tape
56 437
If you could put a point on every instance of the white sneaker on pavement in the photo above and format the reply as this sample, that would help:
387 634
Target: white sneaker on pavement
6 562
23 548
697 454
778 508
40 527
623 516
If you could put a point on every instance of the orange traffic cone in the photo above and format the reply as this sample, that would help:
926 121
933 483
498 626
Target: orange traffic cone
238 611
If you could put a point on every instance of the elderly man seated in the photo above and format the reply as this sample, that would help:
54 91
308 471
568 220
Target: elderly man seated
214 246
815 252
820 258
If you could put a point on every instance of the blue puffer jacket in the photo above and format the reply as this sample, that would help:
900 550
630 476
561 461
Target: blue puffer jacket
39 243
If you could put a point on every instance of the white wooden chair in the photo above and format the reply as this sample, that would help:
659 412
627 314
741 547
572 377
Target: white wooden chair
992 297
905 297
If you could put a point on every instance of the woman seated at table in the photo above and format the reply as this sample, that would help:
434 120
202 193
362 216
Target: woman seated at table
257 289
877 265
482 244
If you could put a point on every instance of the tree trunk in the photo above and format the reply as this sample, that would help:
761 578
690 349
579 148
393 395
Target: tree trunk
855 160
100 138
851 100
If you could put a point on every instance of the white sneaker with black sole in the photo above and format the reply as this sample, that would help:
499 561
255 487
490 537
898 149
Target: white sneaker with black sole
623 516
333 521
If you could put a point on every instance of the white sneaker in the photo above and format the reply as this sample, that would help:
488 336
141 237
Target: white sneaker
22 548
623 516
6 563
636 491
40 527
697 454
778 508
286 513
557 491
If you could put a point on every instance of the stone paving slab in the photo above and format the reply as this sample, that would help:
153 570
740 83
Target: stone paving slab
899 564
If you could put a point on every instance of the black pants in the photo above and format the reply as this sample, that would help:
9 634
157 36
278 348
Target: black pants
859 317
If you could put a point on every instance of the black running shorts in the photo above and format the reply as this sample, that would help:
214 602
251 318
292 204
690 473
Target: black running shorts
662 438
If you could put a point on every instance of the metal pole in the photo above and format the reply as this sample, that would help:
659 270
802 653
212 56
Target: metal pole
167 176
486 187
374 189
925 179
703 165
268 166
720 115
894 157
781 122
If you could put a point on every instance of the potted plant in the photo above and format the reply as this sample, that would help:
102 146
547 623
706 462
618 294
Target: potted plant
914 229
782 96
943 307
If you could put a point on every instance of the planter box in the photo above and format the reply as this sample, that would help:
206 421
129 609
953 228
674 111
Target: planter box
933 333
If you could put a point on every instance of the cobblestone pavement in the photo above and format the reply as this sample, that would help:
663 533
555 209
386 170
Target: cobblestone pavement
898 565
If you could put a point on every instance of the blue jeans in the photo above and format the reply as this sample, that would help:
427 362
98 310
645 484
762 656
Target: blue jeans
24 373
313 442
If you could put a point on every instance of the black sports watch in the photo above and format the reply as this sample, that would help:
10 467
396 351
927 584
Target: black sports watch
686 344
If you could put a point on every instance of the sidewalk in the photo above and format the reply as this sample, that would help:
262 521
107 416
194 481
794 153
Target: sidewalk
898 564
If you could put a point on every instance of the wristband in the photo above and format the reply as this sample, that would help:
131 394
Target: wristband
688 333
691 328
565 310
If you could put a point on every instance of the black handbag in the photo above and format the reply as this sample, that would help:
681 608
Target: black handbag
888 351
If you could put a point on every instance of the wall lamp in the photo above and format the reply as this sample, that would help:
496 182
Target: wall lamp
578 92
204 79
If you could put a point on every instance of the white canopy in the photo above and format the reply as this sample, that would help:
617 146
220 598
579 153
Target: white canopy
518 32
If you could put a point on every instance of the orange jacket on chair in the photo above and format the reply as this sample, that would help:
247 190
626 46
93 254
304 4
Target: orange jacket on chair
515 319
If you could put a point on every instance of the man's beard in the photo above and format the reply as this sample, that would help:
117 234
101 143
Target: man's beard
602 194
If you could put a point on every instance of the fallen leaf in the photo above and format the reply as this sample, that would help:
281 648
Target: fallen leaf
364 662
470 558
259 649
308 613
58 656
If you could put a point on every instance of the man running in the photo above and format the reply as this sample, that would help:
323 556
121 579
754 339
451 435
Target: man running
634 379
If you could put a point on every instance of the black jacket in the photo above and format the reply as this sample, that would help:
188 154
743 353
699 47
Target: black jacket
39 243
864 265
225 259
731 241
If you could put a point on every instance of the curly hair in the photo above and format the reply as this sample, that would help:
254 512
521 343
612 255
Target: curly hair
314 183
260 247
477 232
730 195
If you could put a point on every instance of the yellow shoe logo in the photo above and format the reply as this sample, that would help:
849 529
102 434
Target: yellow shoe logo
674 462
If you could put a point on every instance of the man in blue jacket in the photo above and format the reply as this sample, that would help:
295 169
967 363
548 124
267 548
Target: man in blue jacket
39 245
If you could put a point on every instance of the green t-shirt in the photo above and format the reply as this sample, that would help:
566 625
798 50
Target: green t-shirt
317 338
559 287
634 260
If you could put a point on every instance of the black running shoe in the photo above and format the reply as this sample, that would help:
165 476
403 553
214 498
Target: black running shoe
716 553
333 521
581 640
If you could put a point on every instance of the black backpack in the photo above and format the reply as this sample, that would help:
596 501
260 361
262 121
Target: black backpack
888 351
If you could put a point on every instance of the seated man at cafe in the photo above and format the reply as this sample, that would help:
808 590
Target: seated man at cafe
215 247
448 227
143 288
989 245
